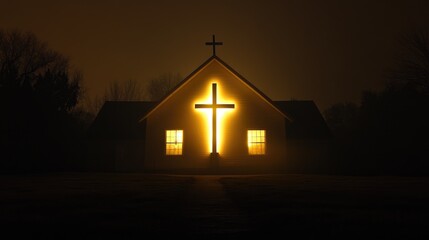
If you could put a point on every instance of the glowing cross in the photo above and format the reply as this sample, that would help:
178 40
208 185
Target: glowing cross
214 43
214 106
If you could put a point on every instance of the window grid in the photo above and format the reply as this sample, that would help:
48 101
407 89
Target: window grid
256 142
174 142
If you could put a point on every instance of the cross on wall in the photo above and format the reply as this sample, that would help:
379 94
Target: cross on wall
214 106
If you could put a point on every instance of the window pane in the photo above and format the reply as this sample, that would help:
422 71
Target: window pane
256 142
179 136
174 142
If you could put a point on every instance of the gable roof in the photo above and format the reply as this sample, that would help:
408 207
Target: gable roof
227 67
120 119
306 120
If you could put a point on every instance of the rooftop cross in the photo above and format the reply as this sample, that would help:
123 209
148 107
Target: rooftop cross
214 43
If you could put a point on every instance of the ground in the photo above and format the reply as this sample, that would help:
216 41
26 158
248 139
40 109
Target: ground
119 205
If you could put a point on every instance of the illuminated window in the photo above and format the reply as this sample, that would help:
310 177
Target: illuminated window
256 142
173 142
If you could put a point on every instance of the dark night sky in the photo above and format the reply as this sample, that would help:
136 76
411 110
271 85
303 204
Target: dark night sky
328 51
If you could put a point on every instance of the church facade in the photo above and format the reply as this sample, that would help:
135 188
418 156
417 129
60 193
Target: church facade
213 119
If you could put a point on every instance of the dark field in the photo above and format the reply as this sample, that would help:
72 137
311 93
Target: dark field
102 205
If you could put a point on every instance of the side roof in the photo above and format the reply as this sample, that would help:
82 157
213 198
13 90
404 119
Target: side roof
307 121
230 69
120 119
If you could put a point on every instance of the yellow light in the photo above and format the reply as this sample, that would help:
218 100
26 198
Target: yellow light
221 116
173 142
180 136
256 142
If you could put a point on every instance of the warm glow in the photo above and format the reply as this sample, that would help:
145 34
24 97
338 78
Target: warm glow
221 116
256 142
173 142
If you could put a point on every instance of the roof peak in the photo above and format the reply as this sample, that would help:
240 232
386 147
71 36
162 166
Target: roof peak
228 68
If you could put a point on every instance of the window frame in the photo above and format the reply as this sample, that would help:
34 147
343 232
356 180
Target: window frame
176 148
256 146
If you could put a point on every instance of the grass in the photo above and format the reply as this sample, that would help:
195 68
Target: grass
115 205
337 206
88 204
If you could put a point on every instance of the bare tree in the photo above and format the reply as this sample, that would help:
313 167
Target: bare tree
160 86
342 118
412 69
133 90
92 105
130 90
38 91
28 66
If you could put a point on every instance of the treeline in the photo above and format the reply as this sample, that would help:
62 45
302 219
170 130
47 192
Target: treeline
43 128
388 132
45 114
38 91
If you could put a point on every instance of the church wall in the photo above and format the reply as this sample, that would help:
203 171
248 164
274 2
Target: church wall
250 112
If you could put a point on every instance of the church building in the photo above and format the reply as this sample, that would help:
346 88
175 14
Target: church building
214 119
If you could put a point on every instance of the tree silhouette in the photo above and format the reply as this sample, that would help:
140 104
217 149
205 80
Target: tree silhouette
411 72
130 90
38 91
28 66
133 90
387 133
160 86
341 118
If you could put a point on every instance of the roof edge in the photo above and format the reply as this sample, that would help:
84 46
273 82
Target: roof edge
251 86
230 69
178 86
